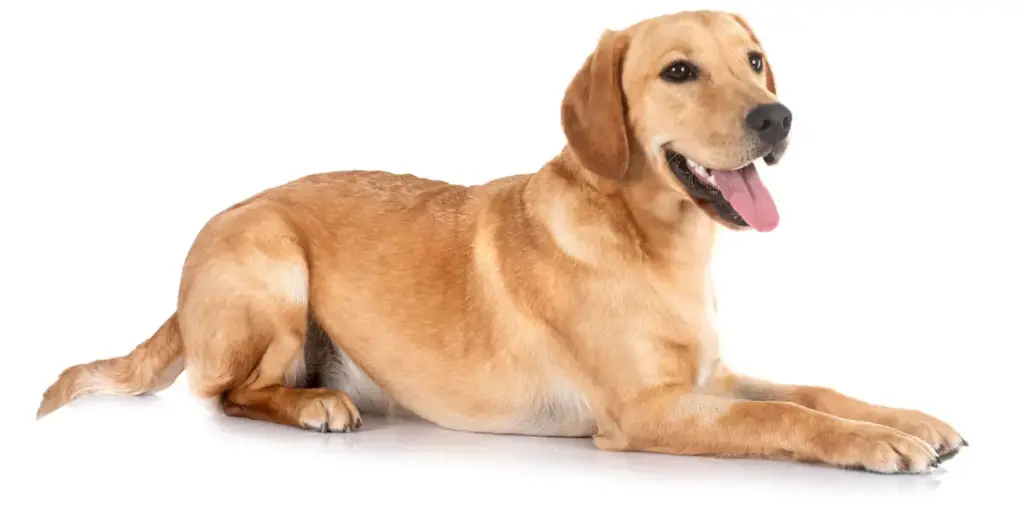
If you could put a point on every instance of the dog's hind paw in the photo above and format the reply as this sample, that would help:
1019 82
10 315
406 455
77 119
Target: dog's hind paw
330 411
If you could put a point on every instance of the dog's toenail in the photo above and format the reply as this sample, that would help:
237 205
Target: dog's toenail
946 456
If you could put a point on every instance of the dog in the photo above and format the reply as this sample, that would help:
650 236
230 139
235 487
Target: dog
573 301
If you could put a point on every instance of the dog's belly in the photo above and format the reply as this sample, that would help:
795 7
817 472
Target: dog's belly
556 409
338 371
561 410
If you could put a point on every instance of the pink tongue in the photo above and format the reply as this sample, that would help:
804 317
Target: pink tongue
749 197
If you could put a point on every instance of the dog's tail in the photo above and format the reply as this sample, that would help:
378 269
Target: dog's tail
151 367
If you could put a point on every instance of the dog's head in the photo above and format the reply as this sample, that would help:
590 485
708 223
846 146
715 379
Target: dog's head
692 97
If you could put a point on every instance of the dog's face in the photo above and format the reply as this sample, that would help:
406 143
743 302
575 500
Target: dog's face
692 96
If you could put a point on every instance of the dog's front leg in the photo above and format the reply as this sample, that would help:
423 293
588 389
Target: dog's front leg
676 421
943 439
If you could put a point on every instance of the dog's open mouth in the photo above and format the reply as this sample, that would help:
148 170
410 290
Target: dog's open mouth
738 196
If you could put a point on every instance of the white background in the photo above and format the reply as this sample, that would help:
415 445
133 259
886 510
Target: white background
894 275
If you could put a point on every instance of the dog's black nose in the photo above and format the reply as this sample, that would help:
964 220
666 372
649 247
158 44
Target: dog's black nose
770 121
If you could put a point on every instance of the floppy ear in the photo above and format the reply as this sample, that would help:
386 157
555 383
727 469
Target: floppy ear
769 76
594 111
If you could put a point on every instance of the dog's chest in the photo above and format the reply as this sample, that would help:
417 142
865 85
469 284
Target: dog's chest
633 334
669 328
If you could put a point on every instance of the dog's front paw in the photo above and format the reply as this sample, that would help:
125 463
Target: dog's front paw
876 448
941 437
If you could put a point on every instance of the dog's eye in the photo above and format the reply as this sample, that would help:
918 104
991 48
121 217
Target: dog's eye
756 61
679 71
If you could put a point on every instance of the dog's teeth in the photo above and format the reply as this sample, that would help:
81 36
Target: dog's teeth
697 168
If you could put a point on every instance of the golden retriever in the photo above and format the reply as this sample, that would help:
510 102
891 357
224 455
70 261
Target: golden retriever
571 301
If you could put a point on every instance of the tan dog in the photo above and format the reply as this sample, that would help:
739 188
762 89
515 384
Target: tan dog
574 301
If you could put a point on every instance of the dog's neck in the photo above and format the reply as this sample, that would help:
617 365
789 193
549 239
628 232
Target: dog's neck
637 216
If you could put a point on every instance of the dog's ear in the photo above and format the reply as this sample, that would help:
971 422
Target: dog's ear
769 76
594 110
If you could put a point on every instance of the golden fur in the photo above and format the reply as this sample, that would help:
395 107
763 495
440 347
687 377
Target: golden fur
573 301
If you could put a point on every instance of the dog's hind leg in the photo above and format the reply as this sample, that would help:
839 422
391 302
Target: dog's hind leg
266 395
243 315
